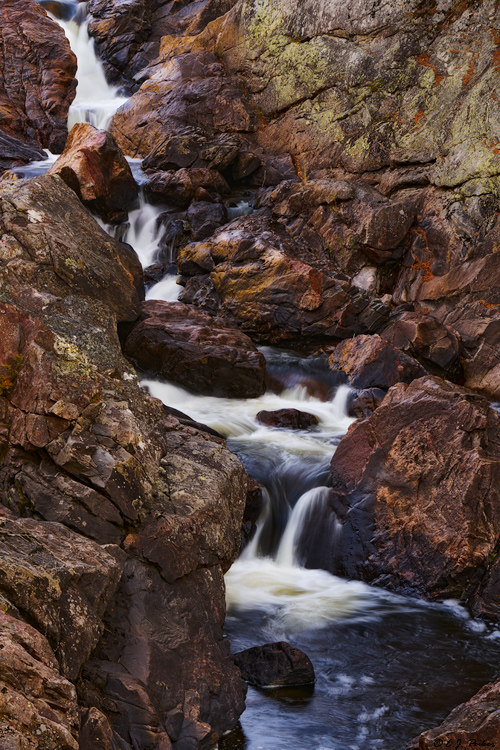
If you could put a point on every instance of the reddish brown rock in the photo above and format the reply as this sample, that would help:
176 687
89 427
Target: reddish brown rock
419 484
179 188
423 336
37 75
60 582
37 705
273 287
275 665
194 149
93 166
95 731
205 218
290 419
44 251
362 403
475 723
15 151
371 362
191 91
190 348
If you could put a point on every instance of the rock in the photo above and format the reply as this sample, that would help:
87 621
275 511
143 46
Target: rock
38 706
289 419
95 731
205 218
41 249
371 362
475 723
275 665
60 582
362 403
80 440
424 337
253 508
194 149
274 288
188 347
14 152
93 166
191 91
37 77
353 221
179 188
416 488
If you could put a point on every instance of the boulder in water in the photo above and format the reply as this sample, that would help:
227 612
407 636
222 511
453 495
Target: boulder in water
179 188
196 351
475 723
371 362
205 218
94 167
362 403
275 665
289 419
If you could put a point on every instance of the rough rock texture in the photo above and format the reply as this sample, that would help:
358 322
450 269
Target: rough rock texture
472 724
188 347
179 188
37 76
59 581
273 287
416 486
362 403
290 419
37 705
50 242
371 362
275 665
93 166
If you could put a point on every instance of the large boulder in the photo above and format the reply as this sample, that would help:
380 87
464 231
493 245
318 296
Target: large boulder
416 488
93 166
189 347
273 287
371 362
37 76
82 444
51 243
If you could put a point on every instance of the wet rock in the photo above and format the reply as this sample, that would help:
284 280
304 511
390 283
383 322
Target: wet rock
275 665
274 288
188 347
60 582
179 188
44 251
362 403
290 419
195 149
371 362
14 152
93 166
475 723
418 484
424 337
192 91
204 218
253 508
37 76
38 706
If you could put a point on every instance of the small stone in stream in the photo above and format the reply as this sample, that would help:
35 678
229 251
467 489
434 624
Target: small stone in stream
94 167
275 665
290 419
364 402
371 362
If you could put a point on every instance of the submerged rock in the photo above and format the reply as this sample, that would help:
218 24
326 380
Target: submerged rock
275 665
196 351
290 419
93 166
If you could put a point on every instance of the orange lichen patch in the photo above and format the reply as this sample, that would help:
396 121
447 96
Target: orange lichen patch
470 73
425 266
423 59
488 305
299 167
419 116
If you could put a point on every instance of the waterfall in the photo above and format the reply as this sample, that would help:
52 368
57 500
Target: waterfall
287 551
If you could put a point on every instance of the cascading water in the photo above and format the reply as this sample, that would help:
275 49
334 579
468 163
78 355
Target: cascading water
387 667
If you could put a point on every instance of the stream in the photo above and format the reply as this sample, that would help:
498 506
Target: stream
387 667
